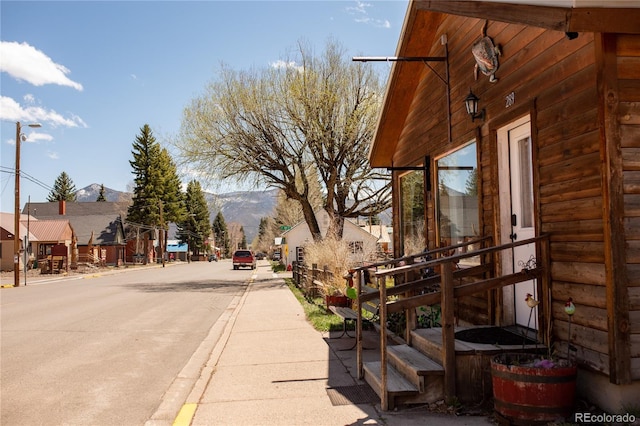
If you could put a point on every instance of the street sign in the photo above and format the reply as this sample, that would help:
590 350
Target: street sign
285 228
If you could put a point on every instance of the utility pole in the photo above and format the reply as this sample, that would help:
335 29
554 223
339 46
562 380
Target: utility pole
16 214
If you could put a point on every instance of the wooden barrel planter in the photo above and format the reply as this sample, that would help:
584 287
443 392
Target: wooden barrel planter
526 392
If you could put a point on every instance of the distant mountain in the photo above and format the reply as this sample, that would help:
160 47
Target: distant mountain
91 193
244 207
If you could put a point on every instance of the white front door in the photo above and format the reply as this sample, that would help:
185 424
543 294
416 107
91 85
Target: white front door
517 215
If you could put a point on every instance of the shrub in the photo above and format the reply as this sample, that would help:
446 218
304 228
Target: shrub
334 254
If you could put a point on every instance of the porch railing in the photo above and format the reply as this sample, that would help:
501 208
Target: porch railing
408 275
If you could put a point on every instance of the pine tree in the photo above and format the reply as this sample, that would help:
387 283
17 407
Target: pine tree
194 228
145 208
267 231
171 192
243 240
63 189
471 185
101 195
221 234
157 198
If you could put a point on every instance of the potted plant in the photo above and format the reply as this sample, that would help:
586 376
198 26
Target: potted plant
529 387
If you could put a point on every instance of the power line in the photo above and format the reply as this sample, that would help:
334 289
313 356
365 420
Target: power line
9 170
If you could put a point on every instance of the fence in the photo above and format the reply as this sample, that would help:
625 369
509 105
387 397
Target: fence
311 280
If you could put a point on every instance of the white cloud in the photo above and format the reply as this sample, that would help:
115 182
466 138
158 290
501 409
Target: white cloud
380 23
11 110
38 136
360 7
53 155
25 62
282 64
362 15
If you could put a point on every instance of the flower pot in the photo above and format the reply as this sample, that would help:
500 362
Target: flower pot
526 393
338 300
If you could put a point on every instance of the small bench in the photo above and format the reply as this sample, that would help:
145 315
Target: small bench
347 314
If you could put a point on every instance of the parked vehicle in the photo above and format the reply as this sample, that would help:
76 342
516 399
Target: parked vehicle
244 258
260 256
213 257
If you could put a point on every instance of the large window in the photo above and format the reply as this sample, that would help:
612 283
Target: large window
457 197
413 212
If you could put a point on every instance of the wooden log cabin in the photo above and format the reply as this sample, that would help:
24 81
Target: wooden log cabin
553 149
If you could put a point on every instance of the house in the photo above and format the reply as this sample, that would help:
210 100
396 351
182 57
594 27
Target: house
362 242
553 149
43 235
98 227
384 235
177 250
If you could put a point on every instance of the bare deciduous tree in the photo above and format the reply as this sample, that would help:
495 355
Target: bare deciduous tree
285 126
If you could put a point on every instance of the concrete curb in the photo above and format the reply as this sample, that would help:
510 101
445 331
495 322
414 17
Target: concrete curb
179 403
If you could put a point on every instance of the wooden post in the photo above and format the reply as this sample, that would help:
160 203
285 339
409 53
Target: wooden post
448 334
311 284
382 284
359 282
545 278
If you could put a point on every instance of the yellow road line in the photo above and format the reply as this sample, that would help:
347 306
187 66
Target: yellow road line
185 415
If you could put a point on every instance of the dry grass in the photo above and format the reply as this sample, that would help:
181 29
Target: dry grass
335 255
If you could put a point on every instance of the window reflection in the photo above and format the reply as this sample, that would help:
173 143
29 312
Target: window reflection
413 212
457 196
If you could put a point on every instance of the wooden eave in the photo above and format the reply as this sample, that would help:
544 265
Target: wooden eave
585 19
419 31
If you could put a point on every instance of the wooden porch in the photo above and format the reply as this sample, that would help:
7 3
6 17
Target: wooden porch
425 365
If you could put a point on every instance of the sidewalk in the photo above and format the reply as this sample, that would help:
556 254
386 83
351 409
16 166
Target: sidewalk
271 367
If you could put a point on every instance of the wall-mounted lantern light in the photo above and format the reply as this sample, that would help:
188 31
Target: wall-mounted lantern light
471 102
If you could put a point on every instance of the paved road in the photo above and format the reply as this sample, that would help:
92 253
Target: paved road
104 350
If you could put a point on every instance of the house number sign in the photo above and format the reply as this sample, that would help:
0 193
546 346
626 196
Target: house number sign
510 99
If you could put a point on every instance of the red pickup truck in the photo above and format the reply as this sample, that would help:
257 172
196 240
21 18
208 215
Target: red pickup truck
244 258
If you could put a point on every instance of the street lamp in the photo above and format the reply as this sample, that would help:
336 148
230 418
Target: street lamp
16 219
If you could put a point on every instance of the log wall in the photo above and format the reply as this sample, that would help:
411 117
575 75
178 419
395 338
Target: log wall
628 70
555 80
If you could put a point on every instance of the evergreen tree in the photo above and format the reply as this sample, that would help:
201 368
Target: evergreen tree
243 240
194 228
221 234
145 208
471 185
63 189
101 195
171 192
157 198
267 231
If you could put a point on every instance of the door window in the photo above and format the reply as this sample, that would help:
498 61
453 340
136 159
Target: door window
525 181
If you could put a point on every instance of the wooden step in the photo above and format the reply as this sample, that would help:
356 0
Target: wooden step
397 385
415 366
429 342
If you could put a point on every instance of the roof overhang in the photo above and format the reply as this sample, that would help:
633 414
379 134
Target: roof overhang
421 23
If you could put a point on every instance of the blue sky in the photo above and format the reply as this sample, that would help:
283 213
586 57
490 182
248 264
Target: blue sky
93 73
